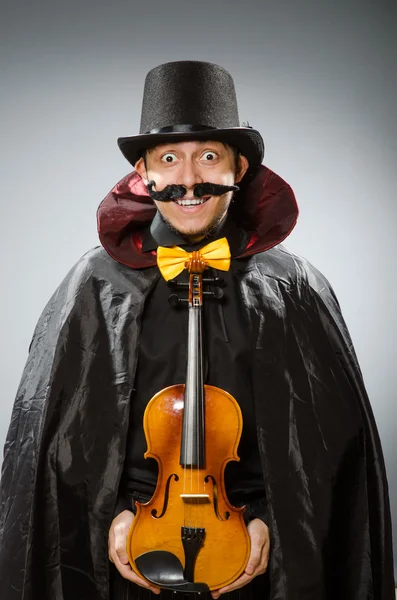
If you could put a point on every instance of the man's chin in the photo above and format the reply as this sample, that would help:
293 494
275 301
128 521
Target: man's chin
195 234
189 233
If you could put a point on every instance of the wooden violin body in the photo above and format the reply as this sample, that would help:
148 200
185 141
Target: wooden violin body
193 497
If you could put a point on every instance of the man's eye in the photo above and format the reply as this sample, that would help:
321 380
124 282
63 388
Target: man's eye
209 156
169 157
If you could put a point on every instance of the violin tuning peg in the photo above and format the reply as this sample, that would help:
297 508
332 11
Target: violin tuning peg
213 280
173 283
174 300
217 293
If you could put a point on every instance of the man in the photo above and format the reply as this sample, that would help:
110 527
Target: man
311 471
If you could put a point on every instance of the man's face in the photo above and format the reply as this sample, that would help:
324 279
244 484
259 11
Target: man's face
187 164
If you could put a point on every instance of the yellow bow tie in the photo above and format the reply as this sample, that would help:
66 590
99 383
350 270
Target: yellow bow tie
172 261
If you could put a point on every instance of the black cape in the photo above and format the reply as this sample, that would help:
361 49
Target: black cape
329 513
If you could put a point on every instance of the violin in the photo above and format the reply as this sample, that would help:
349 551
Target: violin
188 537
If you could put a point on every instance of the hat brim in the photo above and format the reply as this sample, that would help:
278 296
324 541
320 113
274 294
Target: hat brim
248 141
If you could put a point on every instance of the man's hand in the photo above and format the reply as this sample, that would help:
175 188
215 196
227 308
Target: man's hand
118 534
258 560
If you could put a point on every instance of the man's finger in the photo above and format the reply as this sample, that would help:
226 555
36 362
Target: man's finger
122 554
265 558
255 555
240 582
120 536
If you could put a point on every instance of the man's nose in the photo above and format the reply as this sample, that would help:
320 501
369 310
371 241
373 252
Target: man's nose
189 175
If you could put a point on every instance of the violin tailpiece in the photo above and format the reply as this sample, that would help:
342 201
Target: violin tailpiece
192 540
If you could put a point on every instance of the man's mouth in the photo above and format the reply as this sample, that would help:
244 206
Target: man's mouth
191 201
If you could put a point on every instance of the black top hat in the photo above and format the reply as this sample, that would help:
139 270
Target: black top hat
191 100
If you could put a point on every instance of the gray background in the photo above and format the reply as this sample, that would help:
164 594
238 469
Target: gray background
318 79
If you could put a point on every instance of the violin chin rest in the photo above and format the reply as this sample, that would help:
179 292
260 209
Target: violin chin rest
165 570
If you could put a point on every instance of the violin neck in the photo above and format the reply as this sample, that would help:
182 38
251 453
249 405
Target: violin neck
192 446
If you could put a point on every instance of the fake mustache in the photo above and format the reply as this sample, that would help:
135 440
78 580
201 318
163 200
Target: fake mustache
173 192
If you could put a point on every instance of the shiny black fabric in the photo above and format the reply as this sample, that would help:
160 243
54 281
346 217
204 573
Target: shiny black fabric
329 516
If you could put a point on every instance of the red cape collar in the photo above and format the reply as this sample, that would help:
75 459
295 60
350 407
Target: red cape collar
269 206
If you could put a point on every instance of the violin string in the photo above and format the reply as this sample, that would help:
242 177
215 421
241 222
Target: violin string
196 398
199 392
189 439
184 463
194 329
199 405
188 509
185 510
198 309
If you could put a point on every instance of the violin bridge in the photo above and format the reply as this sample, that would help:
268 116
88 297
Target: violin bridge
195 498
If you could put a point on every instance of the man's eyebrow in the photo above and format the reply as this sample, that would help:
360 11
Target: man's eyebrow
204 144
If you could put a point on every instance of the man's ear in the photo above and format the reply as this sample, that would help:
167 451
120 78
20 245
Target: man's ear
242 166
140 168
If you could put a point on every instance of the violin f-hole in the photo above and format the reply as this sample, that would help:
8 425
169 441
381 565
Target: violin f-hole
166 497
215 498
